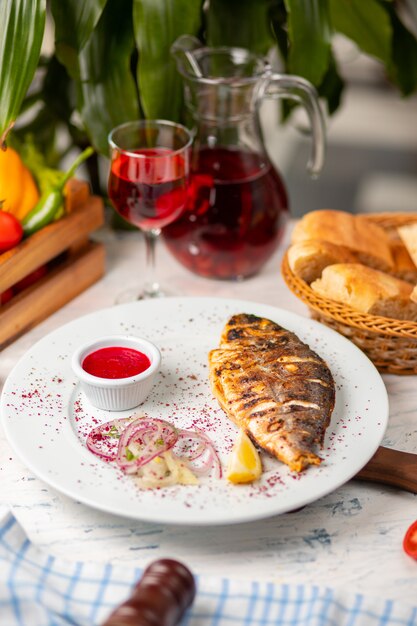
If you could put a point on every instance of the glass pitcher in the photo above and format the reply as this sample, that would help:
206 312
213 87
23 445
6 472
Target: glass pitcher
238 206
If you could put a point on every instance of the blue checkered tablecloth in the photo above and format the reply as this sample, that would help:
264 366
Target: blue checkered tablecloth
37 589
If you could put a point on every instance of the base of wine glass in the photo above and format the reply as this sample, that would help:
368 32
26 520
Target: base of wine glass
143 293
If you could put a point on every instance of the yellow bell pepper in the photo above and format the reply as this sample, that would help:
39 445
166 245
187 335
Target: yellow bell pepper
18 190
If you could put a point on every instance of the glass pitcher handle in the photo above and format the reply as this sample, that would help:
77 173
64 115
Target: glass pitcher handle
303 92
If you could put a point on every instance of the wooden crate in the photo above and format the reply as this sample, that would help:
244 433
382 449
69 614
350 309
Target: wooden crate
74 264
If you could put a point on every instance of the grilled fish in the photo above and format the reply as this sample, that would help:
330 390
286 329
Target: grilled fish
273 386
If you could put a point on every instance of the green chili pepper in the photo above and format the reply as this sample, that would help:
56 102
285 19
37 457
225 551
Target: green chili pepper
51 201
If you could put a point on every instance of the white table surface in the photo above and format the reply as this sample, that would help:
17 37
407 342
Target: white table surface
352 538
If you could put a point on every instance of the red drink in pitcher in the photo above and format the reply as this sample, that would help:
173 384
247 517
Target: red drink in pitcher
149 192
236 213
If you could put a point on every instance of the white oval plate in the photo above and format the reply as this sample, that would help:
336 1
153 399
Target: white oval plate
46 417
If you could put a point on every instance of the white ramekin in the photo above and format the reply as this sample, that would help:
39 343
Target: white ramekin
117 394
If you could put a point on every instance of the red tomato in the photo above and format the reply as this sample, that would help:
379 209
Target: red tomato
410 541
6 296
11 231
30 279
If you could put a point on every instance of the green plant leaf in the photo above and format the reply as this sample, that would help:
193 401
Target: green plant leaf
367 23
279 27
157 24
332 86
309 36
58 90
43 128
240 23
74 23
22 26
408 14
107 90
50 107
330 89
403 70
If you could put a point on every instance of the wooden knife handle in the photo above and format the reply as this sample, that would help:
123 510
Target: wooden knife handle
391 467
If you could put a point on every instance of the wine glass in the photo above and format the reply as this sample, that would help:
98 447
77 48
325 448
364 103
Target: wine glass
148 181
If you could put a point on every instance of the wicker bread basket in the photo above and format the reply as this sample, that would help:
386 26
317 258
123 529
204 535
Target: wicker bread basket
390 344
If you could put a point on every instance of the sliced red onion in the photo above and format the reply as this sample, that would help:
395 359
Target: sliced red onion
206 447
184 447
154 437
101 435
158 435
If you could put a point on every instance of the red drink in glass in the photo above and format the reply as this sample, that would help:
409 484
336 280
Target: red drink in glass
236 214
148 179
148 187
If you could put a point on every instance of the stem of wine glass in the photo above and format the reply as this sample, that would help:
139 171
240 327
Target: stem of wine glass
152 287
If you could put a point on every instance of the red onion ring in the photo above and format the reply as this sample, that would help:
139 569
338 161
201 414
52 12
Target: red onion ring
154 437
141 427
101 433
213 461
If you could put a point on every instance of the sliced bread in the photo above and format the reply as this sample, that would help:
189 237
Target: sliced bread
307 259
367 290
404 267
367 241
408 235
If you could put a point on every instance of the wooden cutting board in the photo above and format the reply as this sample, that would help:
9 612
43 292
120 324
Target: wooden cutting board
391 467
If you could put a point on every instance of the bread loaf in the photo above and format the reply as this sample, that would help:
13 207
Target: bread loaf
404 266
389 221
367 241
367 290
408 235
307 259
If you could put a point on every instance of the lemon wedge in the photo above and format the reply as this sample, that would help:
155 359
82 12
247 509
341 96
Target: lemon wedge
244 463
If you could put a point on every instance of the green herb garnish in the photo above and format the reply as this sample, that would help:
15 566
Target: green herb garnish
129 455
113 432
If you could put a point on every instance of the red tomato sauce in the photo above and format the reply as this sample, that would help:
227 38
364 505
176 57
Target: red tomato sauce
115 362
